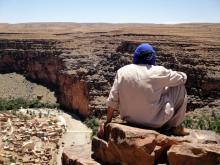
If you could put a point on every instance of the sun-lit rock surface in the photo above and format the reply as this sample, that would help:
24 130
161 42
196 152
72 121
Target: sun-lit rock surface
71 157
130 145
195 154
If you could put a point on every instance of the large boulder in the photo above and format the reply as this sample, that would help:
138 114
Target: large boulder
130 145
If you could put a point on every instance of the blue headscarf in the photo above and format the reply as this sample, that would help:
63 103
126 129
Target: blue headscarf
144 54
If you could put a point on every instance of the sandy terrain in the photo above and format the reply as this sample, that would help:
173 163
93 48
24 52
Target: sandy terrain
13 85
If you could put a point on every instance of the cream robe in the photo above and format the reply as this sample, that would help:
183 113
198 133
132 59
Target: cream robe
149 95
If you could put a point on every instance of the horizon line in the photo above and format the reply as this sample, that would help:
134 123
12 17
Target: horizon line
165 23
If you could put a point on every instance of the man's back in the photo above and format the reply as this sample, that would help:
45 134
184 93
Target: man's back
148 95
140 88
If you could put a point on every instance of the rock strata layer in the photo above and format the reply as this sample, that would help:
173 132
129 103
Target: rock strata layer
130 145
81 64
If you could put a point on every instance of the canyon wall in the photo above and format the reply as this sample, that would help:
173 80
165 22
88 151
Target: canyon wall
39 61
80 66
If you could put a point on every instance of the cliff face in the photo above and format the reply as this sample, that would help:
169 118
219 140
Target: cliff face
40 61
81 66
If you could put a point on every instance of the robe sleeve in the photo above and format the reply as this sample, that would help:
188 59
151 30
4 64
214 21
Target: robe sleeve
175 78
113 99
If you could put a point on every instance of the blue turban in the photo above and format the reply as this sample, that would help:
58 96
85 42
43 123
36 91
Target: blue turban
144 54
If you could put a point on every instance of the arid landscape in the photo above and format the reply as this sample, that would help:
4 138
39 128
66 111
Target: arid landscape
74 65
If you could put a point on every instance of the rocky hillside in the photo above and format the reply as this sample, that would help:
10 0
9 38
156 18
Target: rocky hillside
79 62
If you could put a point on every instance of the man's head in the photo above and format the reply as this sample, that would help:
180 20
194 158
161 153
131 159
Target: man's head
144 54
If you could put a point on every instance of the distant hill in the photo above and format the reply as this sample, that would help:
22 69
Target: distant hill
69 27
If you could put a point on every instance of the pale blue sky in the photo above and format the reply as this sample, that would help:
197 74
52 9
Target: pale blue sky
110 11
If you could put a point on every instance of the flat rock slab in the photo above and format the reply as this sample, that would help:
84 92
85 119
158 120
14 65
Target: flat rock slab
76 146
195 154
78 155
130 145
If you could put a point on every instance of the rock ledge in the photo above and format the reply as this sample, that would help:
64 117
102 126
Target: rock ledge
130 145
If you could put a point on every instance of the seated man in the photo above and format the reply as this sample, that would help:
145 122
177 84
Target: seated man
149 95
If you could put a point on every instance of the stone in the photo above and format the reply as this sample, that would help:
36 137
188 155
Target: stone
69 157
124 144
41 134
61 121
131 145
4 119
194 154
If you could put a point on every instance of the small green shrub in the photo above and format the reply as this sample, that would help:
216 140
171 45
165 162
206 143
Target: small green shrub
13 104
215 124
12 160
203 122
187 122
92 123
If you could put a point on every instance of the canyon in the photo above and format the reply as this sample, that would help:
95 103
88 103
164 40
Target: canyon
78 62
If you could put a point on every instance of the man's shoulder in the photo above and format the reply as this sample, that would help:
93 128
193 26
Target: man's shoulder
159 67
126 67
134 66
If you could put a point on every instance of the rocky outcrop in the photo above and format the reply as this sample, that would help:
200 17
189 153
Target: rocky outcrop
74 94
129 145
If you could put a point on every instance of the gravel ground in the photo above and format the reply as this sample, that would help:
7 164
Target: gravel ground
14 85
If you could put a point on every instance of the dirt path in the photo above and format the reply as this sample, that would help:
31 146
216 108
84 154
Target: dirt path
77 137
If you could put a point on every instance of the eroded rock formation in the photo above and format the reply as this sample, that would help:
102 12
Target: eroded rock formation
129 145
40 61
